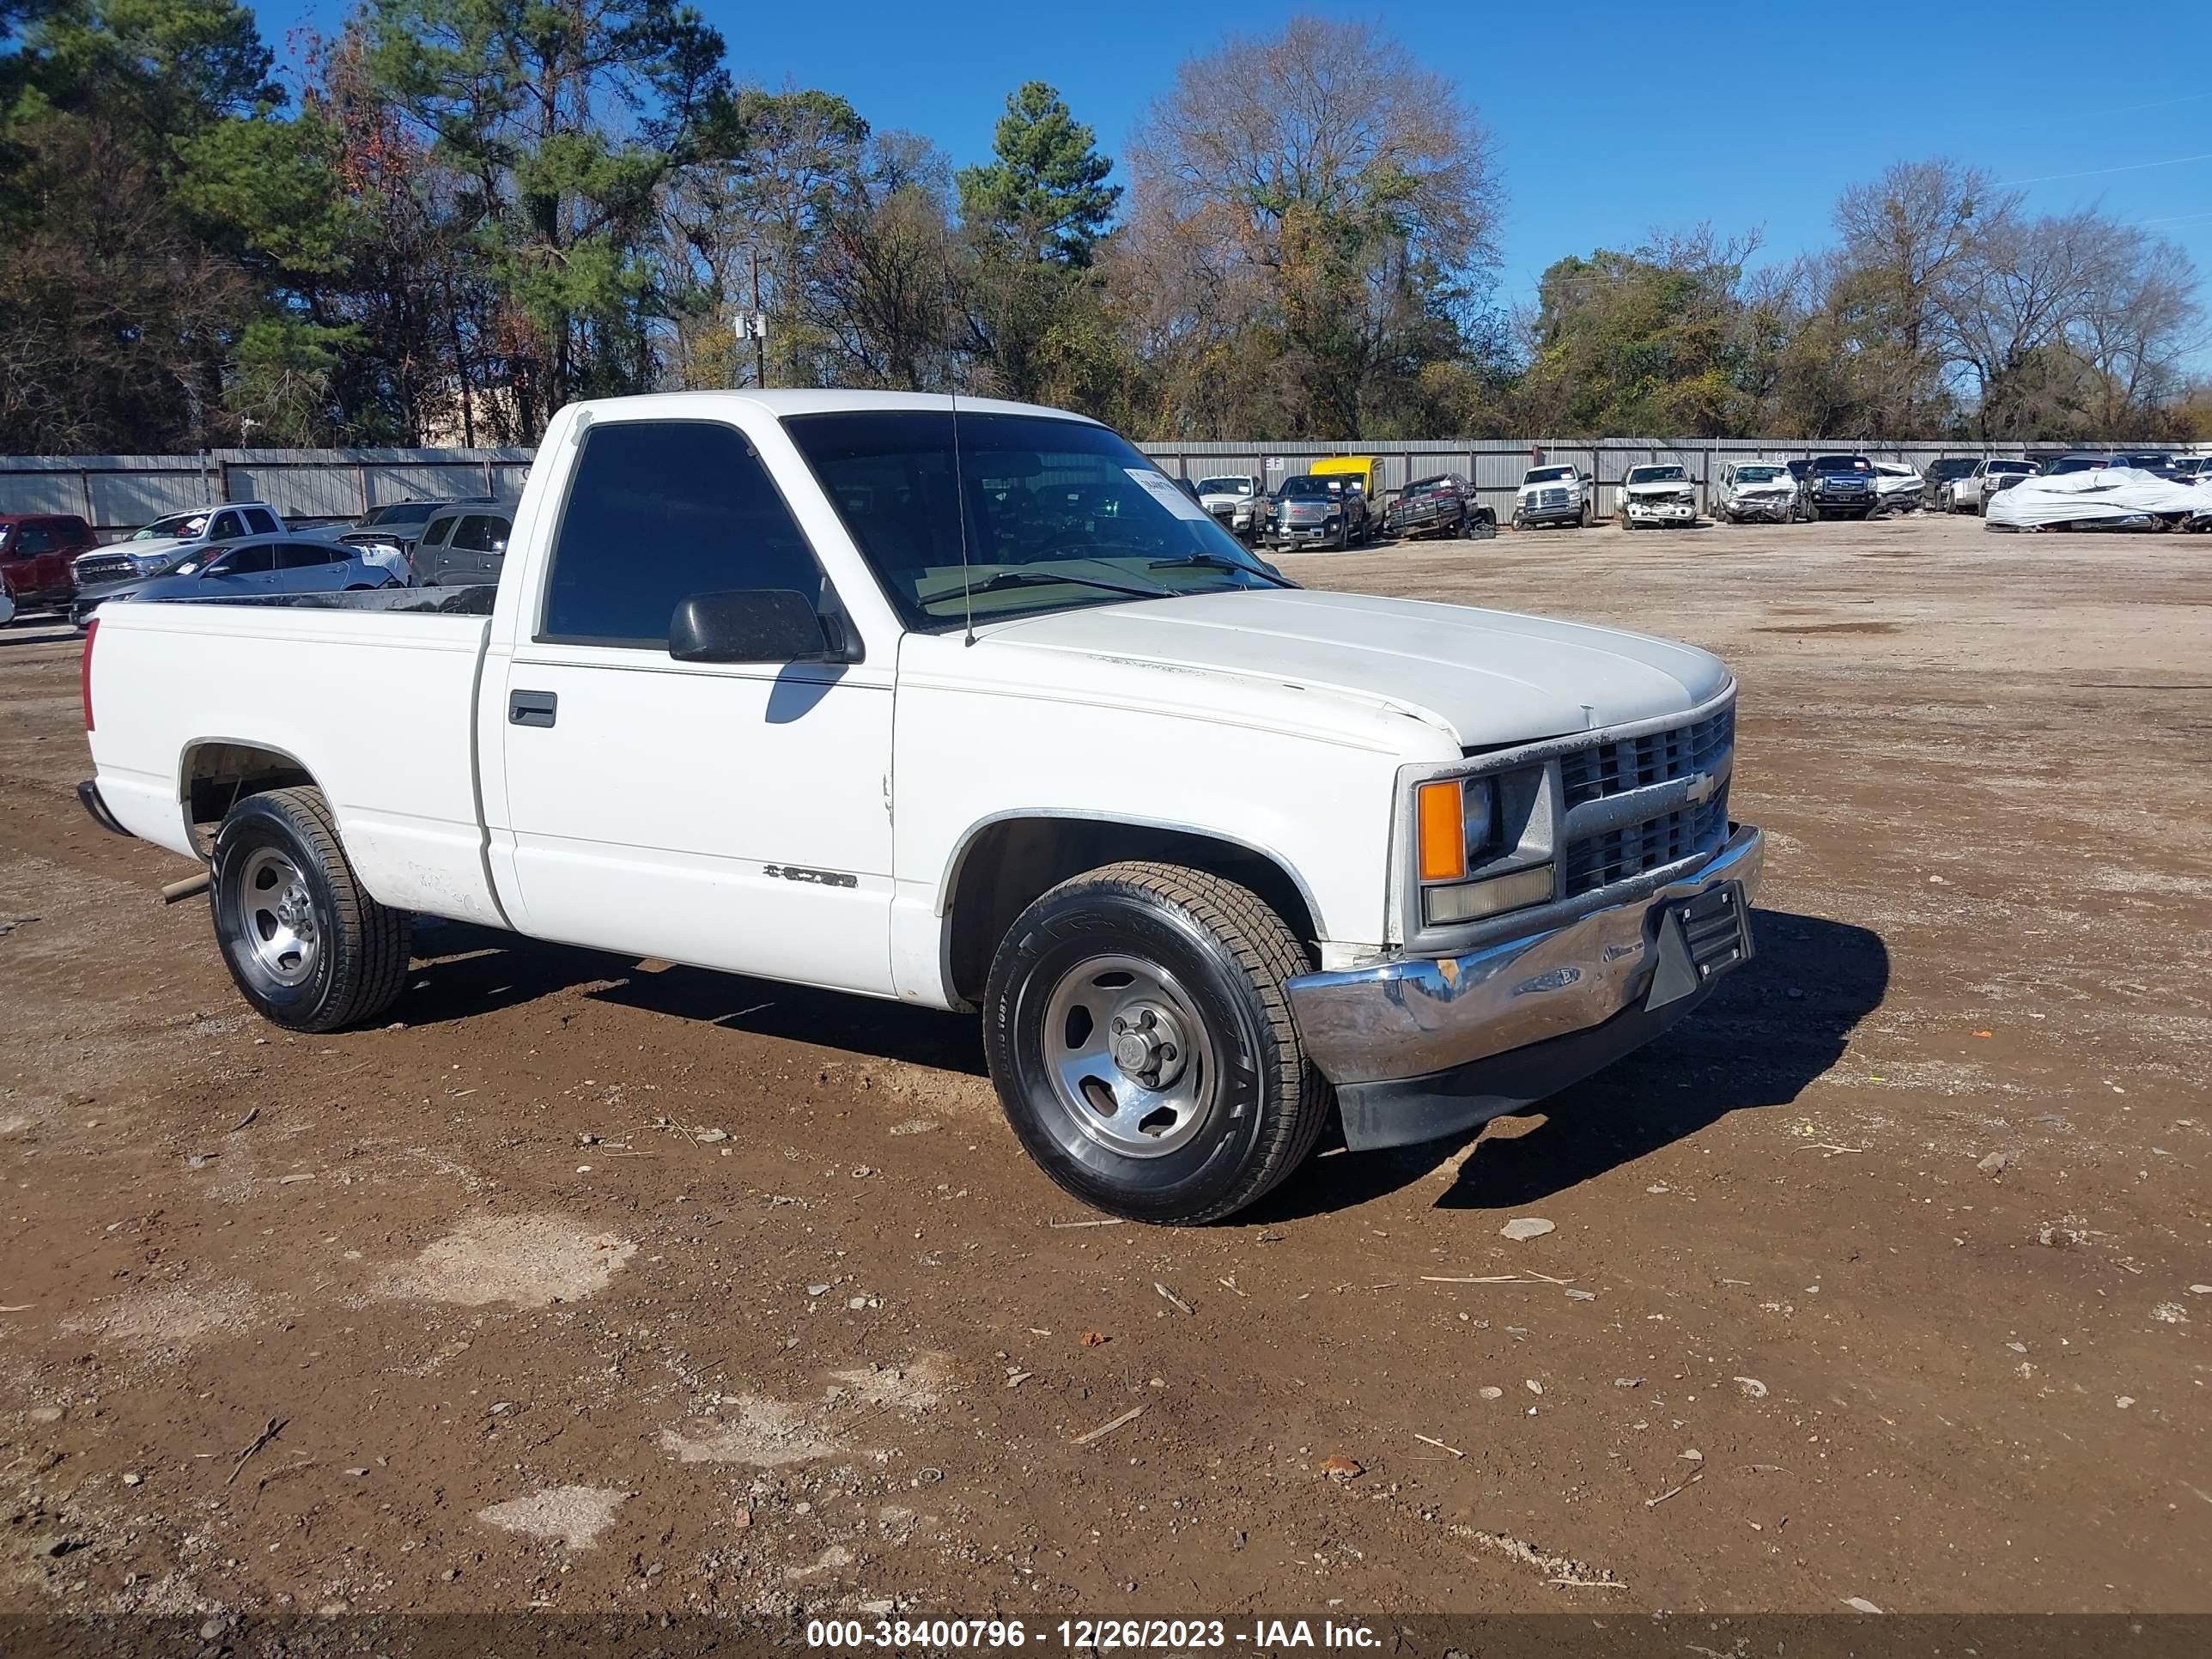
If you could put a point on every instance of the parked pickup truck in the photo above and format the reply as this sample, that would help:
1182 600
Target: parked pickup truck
1214 855
1555 495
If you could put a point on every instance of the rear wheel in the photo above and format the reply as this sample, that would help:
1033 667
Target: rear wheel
305 943
1142 1045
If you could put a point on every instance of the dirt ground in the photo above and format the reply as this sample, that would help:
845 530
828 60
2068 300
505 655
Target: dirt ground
1888 1276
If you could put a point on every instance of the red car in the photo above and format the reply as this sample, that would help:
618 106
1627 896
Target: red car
36 551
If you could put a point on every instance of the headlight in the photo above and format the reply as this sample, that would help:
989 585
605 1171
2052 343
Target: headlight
1460 828
1457 820
146 563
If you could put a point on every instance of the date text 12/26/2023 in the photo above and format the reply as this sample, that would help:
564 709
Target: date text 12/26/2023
1098 1635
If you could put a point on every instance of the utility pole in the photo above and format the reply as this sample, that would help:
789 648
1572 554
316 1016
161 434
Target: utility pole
759 320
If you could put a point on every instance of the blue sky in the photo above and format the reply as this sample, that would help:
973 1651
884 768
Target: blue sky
1749 115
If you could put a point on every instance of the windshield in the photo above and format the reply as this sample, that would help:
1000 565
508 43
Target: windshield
2011 466
177 523
1054 508
1656 475
401 512
1758 474
1309 487
1548 474
1843 464
1224 486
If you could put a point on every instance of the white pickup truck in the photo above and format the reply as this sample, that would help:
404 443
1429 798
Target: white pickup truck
1213 854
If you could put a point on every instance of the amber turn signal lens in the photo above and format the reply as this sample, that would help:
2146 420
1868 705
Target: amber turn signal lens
1442 831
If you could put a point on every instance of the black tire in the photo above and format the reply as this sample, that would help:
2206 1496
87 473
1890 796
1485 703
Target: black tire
1812 512
1589 515
1217 955
1519 523
278 863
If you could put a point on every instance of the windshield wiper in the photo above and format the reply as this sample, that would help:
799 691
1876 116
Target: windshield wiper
1215 562
1006 578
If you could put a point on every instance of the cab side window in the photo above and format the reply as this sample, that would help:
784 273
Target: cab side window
657 510
481 533
245 561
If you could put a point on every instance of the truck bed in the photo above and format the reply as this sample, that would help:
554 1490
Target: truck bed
371 694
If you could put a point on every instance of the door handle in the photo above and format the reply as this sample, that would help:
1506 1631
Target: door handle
530 708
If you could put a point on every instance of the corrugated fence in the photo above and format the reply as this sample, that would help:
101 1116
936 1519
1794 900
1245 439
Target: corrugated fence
118 493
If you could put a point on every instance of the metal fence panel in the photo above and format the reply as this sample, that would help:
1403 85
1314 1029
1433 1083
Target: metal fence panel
124 501
119 493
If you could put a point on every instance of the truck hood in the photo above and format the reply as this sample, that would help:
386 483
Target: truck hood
1218 498
1659 487
1488 677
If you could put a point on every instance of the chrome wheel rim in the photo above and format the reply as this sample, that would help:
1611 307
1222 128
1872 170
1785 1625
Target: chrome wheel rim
1130 1063
275 917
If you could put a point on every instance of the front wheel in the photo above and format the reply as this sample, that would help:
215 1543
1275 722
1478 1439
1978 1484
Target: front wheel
1142 1045
305 943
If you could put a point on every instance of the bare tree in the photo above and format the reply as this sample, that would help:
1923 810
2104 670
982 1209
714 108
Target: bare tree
2008 307
1363 202
2139 320
1907 237
880 289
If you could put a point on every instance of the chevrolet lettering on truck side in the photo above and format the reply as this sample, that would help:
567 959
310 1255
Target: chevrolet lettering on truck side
971 708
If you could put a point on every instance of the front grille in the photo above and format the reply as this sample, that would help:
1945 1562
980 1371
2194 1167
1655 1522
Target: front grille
114 569
1552 498
1598 861
1606 769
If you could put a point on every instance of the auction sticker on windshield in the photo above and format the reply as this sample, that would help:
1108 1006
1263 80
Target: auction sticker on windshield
1164 491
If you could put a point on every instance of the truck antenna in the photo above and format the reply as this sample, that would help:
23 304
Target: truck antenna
960 507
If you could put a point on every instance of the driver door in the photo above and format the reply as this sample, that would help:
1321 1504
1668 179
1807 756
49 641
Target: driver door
727 815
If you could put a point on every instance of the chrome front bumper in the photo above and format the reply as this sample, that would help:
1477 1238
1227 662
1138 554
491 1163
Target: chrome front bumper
1421 1047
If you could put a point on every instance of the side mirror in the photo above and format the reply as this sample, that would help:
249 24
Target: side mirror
748 625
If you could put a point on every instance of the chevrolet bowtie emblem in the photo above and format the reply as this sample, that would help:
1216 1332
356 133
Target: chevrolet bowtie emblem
1701 788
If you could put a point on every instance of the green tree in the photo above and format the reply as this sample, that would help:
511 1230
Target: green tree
1033 217
108 285
1044 190
1644 343
563 122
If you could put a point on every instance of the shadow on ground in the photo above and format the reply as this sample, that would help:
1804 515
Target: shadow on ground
463 971
1751 1045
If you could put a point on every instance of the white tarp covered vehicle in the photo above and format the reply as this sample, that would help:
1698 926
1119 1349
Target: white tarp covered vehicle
2110 498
